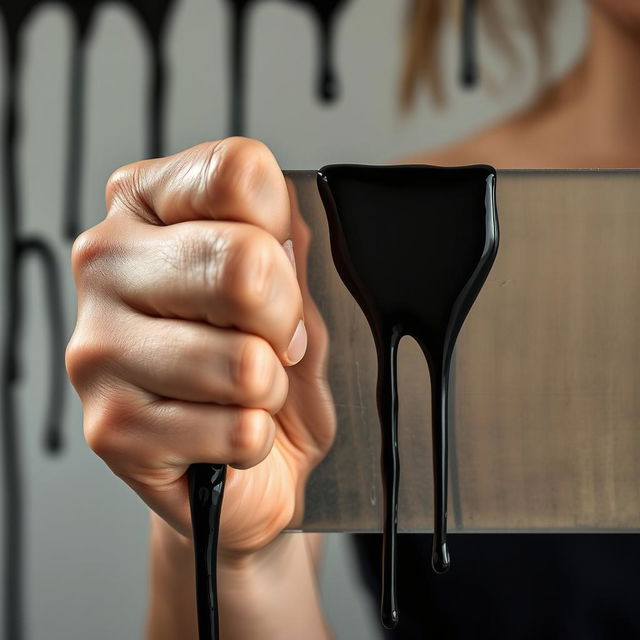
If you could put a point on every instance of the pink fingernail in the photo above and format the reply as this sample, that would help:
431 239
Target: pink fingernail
298 344
287 245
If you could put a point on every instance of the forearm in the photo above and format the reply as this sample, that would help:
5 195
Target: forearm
271 595
172 602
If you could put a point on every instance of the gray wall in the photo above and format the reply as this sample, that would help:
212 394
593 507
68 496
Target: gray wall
87 555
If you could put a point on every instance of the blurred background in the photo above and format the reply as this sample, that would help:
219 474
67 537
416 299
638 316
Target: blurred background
85 540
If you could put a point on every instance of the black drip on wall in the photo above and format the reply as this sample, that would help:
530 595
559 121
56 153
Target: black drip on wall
15 15
324 13
468 62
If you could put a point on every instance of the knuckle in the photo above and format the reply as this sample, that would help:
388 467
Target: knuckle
252 437
99 437
248 271
84 359
86 250
253 370
96 251
238 165
105 425
281 399
102 431
198 257
121 184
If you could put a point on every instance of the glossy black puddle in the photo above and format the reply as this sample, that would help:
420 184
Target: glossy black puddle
413 245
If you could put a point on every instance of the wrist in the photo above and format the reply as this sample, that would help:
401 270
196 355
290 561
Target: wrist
174 546
260 590
256 590
234 566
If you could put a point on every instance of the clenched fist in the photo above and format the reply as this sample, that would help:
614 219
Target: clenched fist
197 341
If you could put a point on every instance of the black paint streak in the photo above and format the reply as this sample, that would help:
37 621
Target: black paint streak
82 20
15 16
324 13
16 249
414 246
206 492
454 475
238 12
154 17
469 66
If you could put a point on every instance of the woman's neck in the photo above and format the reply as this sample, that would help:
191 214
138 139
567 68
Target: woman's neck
603 92
590 118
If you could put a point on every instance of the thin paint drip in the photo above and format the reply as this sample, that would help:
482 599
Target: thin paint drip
324 12
154 17
414 246
468 66
82 22
206 492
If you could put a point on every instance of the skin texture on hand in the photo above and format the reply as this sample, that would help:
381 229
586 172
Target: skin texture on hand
187 305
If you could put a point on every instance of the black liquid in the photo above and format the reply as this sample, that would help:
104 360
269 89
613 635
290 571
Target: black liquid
15 250
15 17
154 17
324 12
206 491
468 67
82 20
414 246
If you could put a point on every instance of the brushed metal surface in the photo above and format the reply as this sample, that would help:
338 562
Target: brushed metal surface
546 405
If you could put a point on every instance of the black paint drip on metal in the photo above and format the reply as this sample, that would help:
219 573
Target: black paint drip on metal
324 13
414 246
17 248
468 57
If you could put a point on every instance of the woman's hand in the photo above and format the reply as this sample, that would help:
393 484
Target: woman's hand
196 342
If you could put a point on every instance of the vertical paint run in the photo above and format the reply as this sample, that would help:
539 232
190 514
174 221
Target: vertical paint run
468 63
324 13
414 246
153 16
17 248
82 19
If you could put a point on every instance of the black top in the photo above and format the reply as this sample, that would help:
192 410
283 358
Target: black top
513 586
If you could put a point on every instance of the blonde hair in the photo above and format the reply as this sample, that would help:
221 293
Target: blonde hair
426 18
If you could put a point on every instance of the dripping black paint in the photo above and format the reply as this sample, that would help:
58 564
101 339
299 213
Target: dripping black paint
414 246
16 249
206 492
324 12
468 64
153 17
15 17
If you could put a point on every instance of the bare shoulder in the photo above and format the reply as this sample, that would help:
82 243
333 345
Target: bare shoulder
508 144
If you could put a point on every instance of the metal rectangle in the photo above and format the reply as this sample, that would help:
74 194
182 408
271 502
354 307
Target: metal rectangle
545 428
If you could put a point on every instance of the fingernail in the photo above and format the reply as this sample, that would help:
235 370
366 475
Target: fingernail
288 247
298 344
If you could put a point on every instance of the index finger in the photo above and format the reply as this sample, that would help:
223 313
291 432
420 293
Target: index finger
234 179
